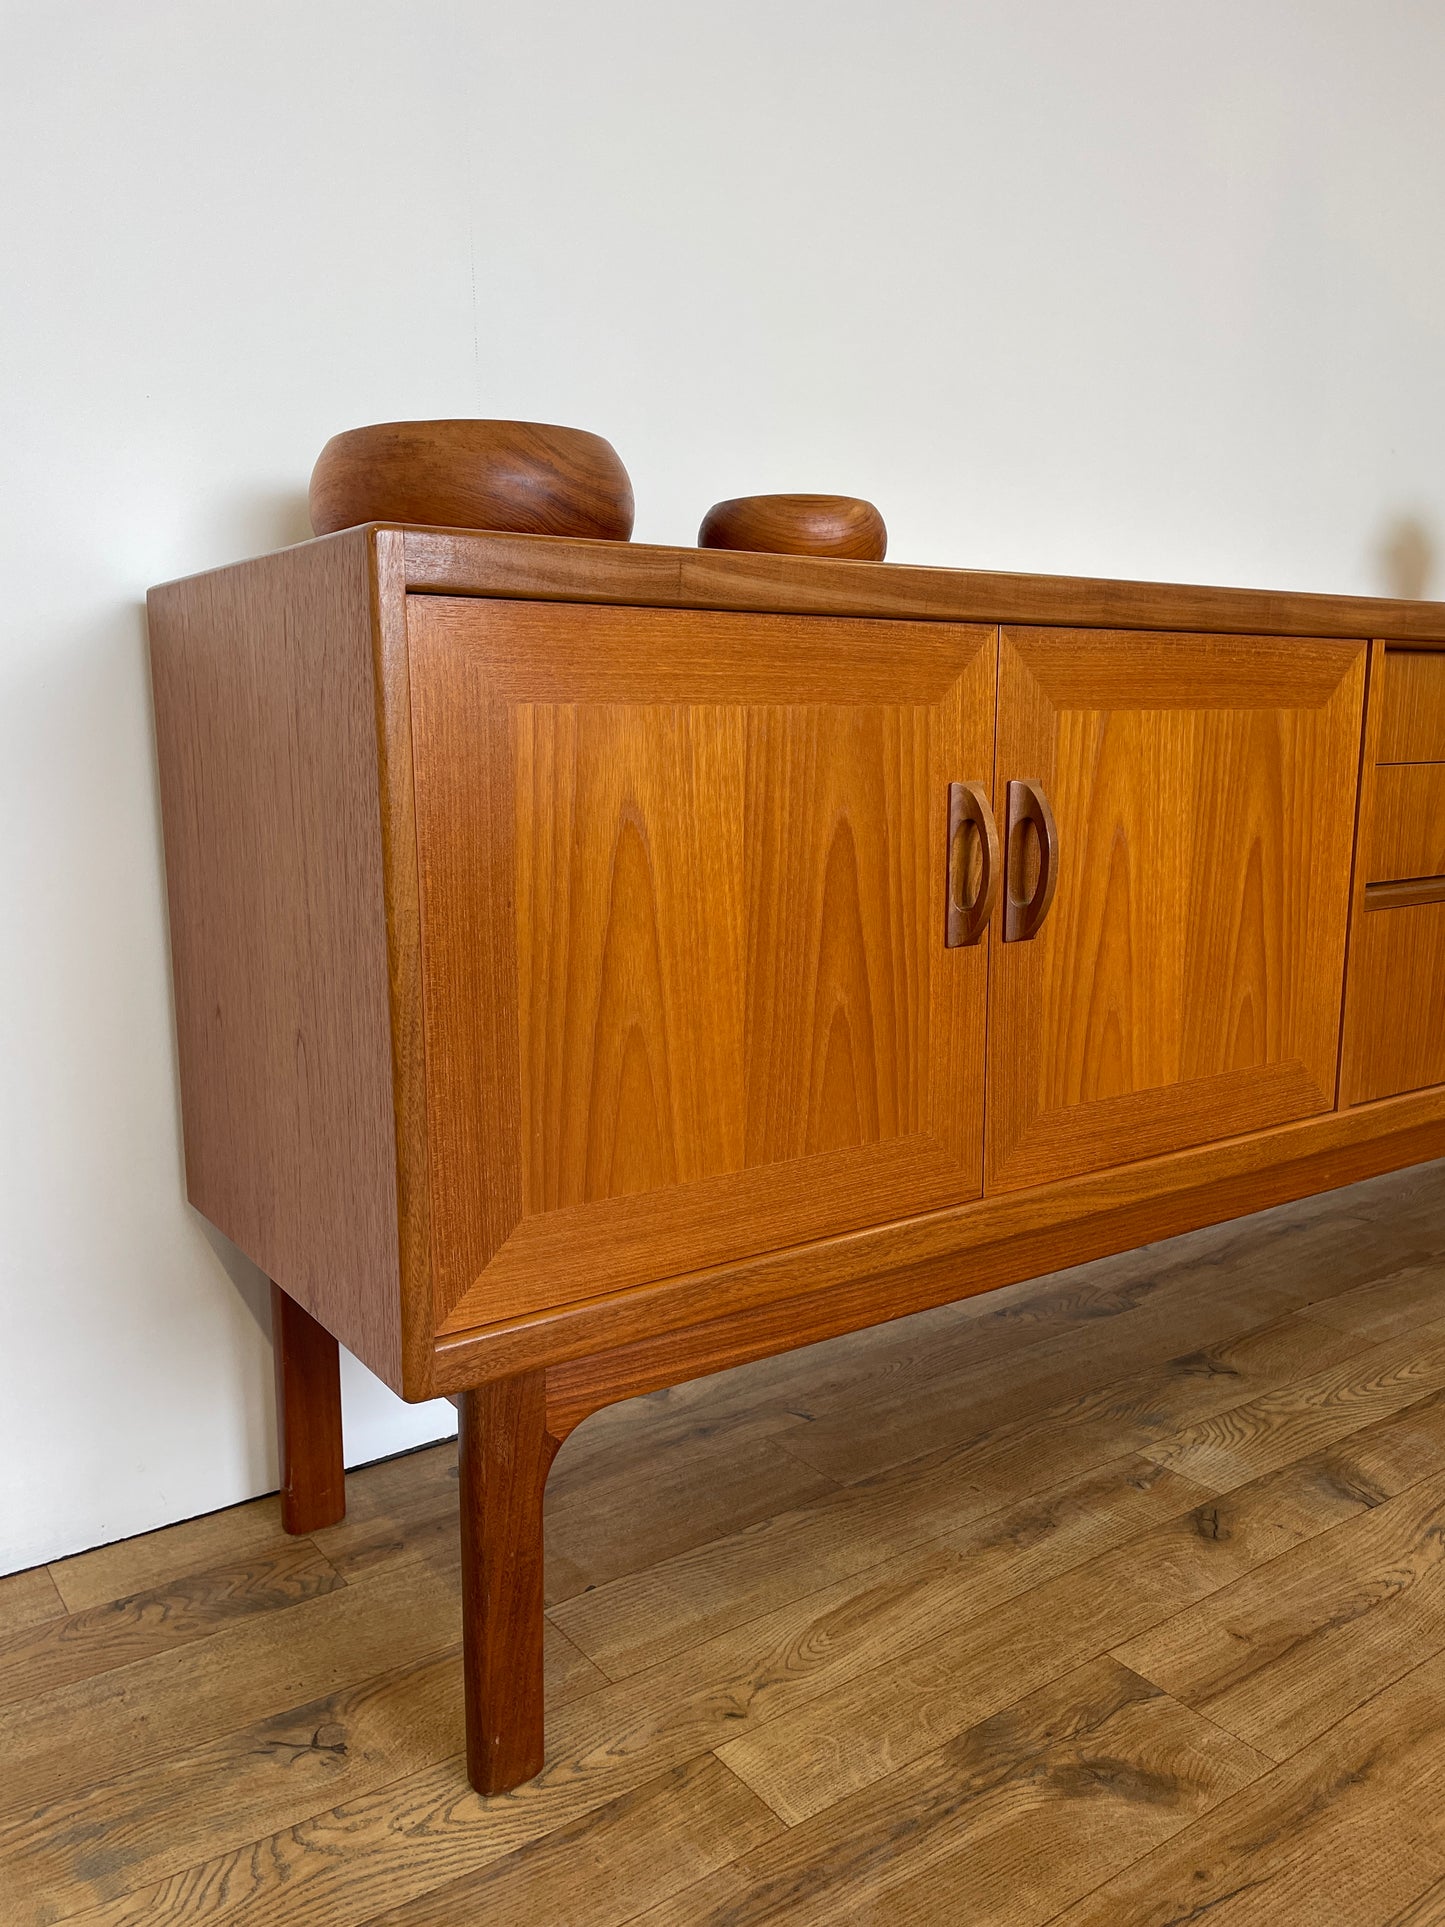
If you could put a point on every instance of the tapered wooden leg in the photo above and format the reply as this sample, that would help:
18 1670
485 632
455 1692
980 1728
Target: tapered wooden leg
308 1417
505 1456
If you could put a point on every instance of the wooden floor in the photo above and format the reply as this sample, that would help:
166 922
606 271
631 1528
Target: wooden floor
1114 1599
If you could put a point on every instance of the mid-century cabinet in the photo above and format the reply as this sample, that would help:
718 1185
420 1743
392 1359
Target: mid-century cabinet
596 965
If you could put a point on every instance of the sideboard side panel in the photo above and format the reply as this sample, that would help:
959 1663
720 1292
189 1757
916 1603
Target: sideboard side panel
266 736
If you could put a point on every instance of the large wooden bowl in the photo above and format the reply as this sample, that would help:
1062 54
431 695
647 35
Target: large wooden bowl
524 476
797 525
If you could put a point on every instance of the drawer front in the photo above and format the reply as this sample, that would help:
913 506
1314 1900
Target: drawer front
1412 707
685 987
1407 833
1395 1009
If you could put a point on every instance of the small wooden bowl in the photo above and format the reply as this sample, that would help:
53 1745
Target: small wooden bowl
524 476
796 525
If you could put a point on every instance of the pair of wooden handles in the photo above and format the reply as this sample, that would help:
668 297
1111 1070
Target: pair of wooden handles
533 478
1031 840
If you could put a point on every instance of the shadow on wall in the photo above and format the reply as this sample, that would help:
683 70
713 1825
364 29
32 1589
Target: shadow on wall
1405 557
254 523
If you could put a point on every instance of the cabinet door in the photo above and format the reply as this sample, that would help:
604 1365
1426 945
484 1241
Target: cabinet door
685 986
1185 983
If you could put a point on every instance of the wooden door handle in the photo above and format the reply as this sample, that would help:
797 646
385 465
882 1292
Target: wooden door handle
967 919
1024 909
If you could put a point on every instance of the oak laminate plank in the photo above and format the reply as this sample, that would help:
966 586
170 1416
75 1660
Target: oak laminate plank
1251 1436
999 1827
27 1598
704 1485
600 1745
77 1645
1426 1911
929 1689
155 1559
1320 1839
105 1837
1011 1544
1388 1307
1285 1652
1385 1457
601 1870
173 1701
370 1852
386 1845
648 1616
1231 1353
1394 1741
645 1618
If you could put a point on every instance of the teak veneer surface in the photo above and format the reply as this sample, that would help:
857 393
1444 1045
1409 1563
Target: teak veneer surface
607 1167
1186 983
1412 707
1393 1037
266 727
462 562
1395 1033
682 890
1407 838
839 1284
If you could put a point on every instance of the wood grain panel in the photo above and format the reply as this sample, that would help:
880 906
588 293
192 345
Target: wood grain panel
683 909
778 1299
631 951
266 734
536 568
1407 832
1412 706
1186 984
1394 1036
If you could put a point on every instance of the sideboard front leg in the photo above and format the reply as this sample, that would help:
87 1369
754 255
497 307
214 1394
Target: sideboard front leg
505 1455
308 1418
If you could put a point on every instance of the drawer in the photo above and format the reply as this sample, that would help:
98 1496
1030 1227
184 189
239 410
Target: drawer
1407 834
1412 707
1395 1004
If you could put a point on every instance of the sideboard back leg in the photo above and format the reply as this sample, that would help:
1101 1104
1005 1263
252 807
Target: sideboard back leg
506 1454
308 1417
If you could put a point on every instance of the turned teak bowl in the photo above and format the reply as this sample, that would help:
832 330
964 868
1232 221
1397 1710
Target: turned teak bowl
797 525
528 477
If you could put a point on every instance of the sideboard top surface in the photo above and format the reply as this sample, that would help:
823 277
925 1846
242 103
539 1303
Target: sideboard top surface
543 567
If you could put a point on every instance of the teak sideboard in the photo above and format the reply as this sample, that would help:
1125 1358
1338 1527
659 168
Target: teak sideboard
597 965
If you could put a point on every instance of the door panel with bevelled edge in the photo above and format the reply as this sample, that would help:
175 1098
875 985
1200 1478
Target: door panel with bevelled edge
1185 983
685 987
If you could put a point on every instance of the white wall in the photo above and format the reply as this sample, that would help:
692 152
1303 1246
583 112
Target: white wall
1147 289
